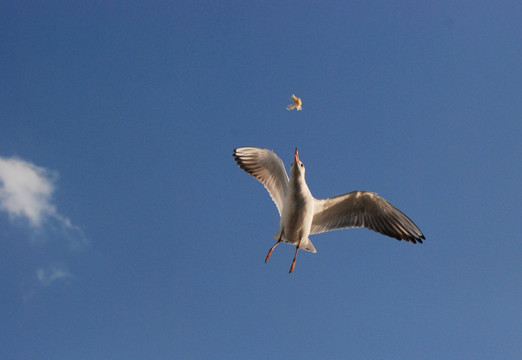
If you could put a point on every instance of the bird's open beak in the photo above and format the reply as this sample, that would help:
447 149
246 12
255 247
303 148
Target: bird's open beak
296 156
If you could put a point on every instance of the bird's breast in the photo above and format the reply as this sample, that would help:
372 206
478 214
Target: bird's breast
297 216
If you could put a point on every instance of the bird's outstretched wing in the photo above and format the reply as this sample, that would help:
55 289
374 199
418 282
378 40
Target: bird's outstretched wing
363 209
266 167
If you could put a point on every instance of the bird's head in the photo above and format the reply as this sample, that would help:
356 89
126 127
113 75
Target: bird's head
297 169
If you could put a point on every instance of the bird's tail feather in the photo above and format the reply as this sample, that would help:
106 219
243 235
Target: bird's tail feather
305 244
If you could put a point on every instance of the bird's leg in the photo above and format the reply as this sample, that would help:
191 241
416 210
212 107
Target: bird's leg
273 247
295 256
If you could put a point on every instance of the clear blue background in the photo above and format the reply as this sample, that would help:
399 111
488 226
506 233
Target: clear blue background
138 107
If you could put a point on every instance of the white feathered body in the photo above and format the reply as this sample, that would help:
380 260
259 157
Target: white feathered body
298 213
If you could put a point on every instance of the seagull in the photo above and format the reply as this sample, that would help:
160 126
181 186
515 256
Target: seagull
296 105
303 215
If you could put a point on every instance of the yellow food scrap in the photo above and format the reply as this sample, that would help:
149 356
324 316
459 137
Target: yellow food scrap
296 105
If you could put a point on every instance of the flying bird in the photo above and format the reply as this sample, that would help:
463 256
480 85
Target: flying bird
303 215
296 105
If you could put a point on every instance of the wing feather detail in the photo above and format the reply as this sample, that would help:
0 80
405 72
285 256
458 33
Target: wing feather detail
266 167
364 209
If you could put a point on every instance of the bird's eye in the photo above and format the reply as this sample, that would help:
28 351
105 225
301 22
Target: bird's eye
301 164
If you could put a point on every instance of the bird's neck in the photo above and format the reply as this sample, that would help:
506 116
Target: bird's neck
298 186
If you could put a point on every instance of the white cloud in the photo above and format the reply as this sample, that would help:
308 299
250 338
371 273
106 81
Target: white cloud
52 274
26 196
26 190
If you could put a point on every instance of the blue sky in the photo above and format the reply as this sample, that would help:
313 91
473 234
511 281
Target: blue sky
127 230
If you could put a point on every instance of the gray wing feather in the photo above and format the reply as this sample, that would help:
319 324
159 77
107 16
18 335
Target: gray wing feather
266 167
363 209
